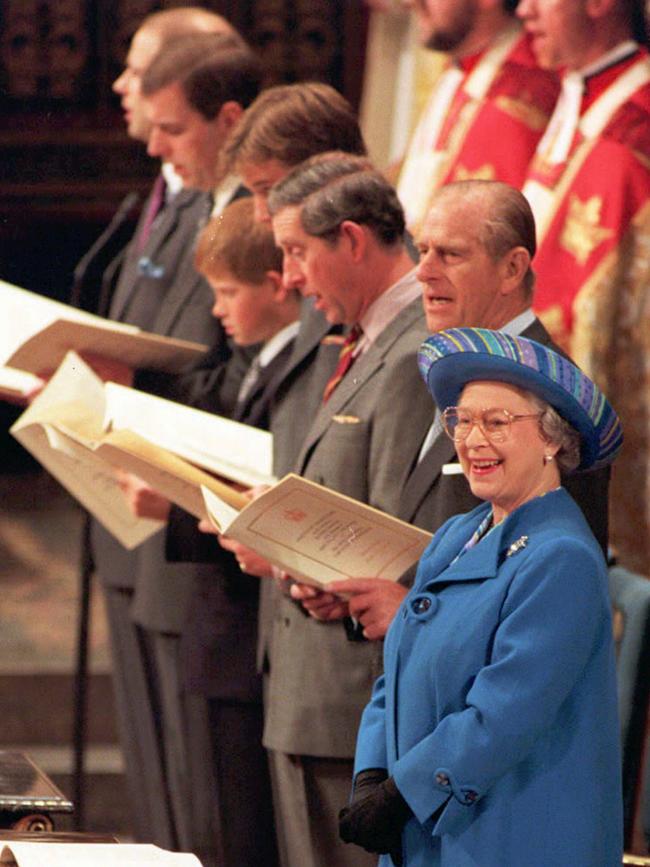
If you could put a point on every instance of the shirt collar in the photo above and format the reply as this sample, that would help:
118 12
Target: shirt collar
519 324
174 182
223 193
615 55
274 346
384 309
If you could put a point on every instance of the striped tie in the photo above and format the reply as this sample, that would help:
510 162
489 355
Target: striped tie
346 357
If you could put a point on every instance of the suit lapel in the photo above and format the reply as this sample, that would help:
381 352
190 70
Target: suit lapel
196 211
424 474
164 225
253 409
363 369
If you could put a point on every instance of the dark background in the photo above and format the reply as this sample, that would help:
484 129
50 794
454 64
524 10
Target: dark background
65 160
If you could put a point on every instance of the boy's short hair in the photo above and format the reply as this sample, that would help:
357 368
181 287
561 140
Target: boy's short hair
234 245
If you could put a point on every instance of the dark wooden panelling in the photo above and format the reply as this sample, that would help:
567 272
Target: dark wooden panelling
65 159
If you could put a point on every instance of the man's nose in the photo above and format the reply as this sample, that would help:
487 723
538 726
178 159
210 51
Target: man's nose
292 274
156 145
119 85
260 209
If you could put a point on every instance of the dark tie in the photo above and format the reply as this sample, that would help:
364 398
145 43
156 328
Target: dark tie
346 359
156 203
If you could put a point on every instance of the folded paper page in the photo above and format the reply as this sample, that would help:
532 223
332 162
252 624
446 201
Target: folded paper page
70 408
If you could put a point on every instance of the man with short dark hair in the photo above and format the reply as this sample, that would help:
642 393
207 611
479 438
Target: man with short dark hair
487 111
195 92
286 125
154 285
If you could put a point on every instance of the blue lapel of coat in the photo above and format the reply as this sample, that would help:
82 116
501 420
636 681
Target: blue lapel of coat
506 540
359 374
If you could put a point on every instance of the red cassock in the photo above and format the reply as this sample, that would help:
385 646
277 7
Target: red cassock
483 119
593 272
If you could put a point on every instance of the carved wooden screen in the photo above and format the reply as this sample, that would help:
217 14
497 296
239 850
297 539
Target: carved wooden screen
65 159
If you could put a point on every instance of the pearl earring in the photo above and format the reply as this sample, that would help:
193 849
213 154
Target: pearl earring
548 459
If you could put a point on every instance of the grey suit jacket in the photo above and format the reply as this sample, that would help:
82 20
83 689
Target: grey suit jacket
182 308
362 443
296 400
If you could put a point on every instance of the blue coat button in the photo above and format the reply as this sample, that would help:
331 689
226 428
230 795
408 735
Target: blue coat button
423 605
442 779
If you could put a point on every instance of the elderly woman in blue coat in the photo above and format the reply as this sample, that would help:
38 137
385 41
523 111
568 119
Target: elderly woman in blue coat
492 738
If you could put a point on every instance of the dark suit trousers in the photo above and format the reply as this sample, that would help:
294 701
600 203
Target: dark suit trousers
308 793
140 736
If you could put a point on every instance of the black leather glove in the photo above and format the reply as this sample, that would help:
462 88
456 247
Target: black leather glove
376 815
366 782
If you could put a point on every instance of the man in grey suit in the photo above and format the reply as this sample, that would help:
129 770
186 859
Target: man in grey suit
476 249
159 290
340 228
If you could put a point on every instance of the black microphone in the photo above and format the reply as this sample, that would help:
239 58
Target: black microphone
120 217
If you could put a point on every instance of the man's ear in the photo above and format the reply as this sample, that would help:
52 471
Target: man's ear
513 267
229 114
599 8
279 291
355 236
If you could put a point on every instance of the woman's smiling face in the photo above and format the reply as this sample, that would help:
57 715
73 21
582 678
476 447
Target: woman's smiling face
514 471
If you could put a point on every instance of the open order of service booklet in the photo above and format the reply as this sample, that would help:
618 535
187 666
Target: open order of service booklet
82 431
317 535
36 332
19 853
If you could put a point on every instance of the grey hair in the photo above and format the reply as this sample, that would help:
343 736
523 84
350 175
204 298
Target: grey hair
559 432
334 187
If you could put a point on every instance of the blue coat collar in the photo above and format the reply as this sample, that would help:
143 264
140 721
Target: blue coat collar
506 540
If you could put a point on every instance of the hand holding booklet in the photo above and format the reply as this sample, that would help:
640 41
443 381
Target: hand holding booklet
317 535
36 332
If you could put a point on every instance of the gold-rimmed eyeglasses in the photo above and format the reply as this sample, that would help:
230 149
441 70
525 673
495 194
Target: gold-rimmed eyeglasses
495 423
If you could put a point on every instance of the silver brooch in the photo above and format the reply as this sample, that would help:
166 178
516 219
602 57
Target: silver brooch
521 542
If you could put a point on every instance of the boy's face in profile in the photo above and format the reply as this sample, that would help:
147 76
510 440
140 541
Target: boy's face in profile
247 311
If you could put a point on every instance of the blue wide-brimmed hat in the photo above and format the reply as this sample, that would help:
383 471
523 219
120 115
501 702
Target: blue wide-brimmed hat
449 359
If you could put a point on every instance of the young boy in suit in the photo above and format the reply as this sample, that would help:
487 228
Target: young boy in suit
222 690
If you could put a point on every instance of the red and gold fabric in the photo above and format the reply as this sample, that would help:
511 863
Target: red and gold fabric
483 120
593 274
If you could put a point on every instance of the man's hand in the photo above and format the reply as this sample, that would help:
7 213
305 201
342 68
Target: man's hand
371 601
249 561
143 500
109 370
320 605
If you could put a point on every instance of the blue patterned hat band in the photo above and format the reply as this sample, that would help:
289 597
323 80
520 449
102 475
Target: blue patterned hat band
449 359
